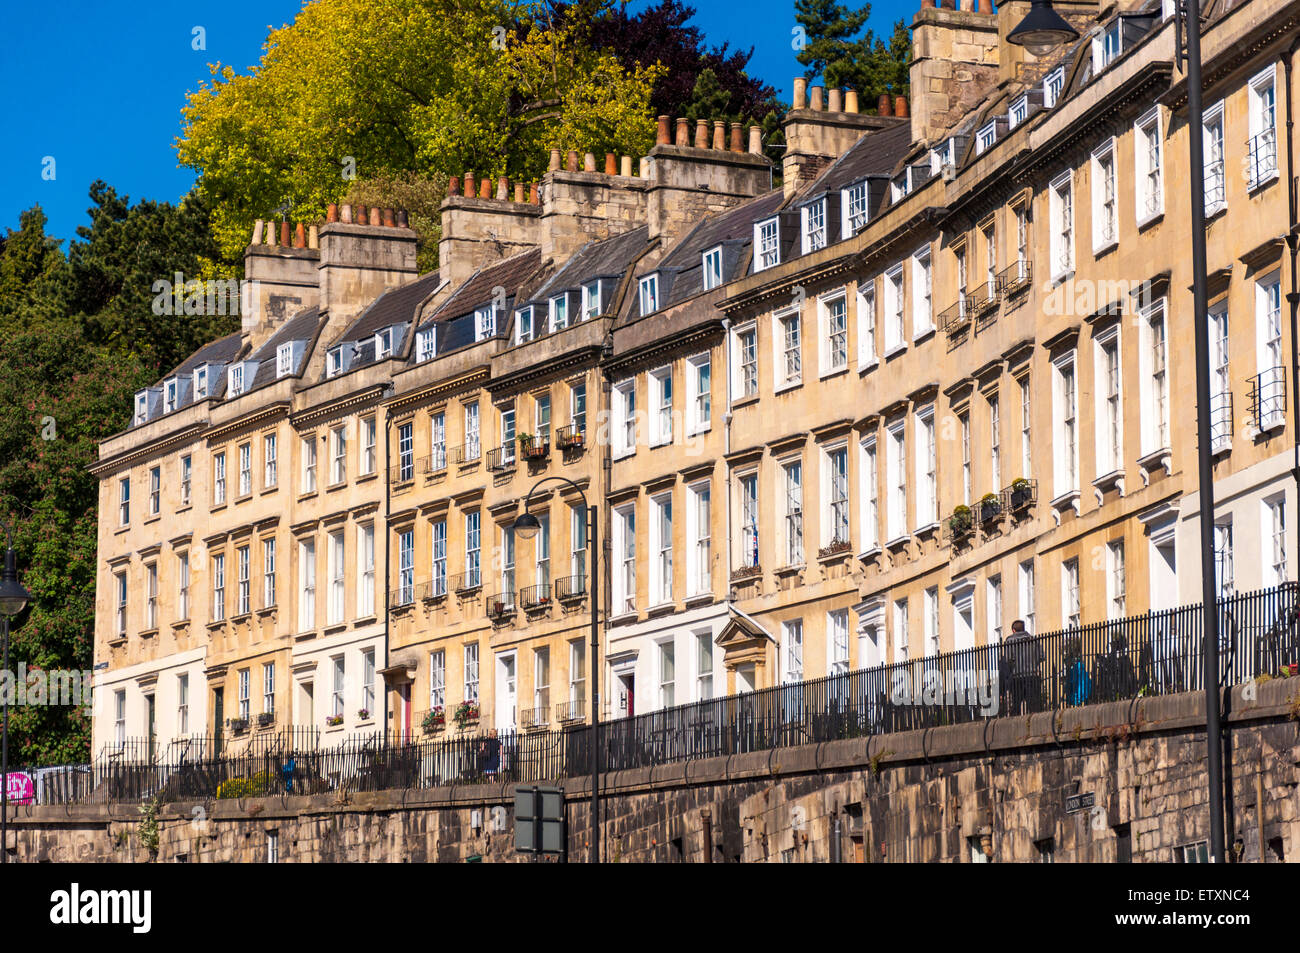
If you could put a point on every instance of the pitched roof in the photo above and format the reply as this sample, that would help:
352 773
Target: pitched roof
395 306
876 153
509 274
605 258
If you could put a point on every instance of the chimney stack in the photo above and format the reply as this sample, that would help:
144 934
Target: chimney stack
815 136
957 59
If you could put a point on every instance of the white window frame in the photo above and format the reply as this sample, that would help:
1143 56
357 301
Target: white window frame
812 225
833 316
896 466
219 478
1105 198
660 389
624 574
1213 131
895 335
368 461
837 518
711 268
1109 397
366 570
866 304
927 468
1148 184
1116 581
699 393
1053 86
661 542
767 244
787 349
591 300
837 642
792 645
854 209
485 322
699 533
1061 213
1271 360
744 382
270 460
1065 443
426 344
792 511
1262 147
648 294
624 435
306 585
870 490
1154 377
747 504
309 463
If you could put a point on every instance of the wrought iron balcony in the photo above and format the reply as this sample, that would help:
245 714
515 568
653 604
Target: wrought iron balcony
535 446
501 605
1268 398
1020 496
434 462
574 709
1015 278
467 453
959 528
467 581
984 297
538 717
1220 421
1262 157
503 458
535 597
572 437
570 588
955 320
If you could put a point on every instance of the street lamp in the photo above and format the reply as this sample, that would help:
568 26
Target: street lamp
13 599
527 526
1032 33
1042 30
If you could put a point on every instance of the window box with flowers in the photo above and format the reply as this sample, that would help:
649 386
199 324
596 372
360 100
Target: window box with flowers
466 714
363 714
1021 495
534 446
238 725
266 719
836 547
434 720
990 507
333 721
960 523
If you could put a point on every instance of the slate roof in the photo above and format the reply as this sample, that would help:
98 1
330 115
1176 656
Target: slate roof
477 291
606 258
395 306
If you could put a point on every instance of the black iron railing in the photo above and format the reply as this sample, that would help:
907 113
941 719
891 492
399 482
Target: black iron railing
1155 653
535 597
501 605
572 437
535 446
467 581
434 463
570 587
502 458
955 319
1268 398
1015 278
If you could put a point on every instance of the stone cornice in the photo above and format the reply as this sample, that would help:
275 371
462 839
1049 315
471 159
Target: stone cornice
321 412
153 448
440 390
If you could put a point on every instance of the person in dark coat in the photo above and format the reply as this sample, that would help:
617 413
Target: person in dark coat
489 755
1026 662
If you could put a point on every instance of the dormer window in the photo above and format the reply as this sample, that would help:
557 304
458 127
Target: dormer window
1019 111
590 300
141 408
1107 47
485 323
649 289
813 216
767 248
559 312
201 382
524 325
854 203
235 381
334 362
171 395
986 137
384 344
712 268
284 360
425 342
1053 84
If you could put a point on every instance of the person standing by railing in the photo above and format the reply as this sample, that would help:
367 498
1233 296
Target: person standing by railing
1026 663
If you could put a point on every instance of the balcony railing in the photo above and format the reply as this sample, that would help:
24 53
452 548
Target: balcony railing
537 717
1016 278
1220 421
1262 157
434 463
466 453
572 437
1020 496
1155 653
575 709
502 458
467 581
535 446
984 297
535 597
501 605
954 320
568 588
1268 398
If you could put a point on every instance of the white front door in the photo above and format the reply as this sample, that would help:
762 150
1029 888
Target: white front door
507 695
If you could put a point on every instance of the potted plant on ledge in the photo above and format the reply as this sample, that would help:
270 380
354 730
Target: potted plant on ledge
959 524
990 507
363 714
434 720
333 721
533 446
466 714
1022 494
238 725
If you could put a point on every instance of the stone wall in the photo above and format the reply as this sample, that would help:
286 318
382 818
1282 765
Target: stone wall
996 789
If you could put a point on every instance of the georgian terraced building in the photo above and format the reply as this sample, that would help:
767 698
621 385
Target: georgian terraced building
939 378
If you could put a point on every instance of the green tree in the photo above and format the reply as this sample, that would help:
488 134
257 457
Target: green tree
367 89
843 53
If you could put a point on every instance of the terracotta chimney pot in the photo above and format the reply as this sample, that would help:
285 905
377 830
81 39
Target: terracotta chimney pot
313 237
345 214
701 133
836 100
331 213
375 218
485 188
284 234
389 221
453 185
719 135
755 140
503 188
800 92
554 164
663 133
588 162
818 103
683 132
986 6
737 143
900 107
882 105
519 192
611 164
625 166
532 193
571 161
300 236
257 232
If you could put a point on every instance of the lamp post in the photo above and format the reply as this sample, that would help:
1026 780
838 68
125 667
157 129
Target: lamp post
1038 35
13 599
527 526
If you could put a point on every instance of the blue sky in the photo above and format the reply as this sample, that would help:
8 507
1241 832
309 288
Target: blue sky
99 86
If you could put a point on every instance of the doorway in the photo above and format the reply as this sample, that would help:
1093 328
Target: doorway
218 719
404 700
150 725
507 692
626 683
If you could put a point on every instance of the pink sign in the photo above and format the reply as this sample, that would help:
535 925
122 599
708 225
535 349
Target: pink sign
21 789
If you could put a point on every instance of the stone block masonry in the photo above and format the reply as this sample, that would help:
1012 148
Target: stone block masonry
995 790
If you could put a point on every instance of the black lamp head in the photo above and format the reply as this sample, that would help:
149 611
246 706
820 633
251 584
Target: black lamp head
13 597
527 525
1042 30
